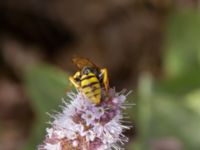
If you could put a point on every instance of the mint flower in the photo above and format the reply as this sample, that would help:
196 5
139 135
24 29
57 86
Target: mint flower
85 126
89 117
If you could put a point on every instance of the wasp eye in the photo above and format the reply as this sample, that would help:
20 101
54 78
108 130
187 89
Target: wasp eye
86 71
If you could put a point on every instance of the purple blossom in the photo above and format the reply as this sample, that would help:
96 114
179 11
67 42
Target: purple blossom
85 126
89 117
98 112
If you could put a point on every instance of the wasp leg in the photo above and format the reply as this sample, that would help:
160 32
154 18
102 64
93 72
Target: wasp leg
105 78
74 82
77 75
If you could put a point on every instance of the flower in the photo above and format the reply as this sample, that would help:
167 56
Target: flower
75 143
89 117
85 126
90 135
52 146
98 112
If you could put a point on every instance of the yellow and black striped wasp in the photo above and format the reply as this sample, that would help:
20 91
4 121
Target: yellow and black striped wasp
90 79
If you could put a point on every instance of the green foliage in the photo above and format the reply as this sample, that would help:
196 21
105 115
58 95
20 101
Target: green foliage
181 84
182 43
165 114
46 86
170 108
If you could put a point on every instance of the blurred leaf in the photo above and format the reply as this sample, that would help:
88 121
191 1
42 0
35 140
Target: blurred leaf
144 111
134 145
182 43
180 84
164 111
170 108
46 85
173 118
169 117
193 101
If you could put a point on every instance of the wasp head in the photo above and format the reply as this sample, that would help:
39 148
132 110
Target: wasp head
90 70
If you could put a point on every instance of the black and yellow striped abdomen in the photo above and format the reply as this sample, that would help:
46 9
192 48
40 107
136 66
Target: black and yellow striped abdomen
90 85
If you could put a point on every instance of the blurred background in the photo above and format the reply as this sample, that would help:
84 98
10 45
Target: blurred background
149 46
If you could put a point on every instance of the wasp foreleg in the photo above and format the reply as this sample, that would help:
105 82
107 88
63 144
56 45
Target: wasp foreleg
105 78
74 82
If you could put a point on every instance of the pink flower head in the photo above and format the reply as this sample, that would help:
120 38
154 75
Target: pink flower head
85 126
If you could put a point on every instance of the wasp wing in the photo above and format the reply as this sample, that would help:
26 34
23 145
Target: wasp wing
81 62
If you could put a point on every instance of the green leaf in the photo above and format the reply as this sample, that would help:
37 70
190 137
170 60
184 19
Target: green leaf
192 101
169 110
171 107
173 119
46 86
182 43
179 85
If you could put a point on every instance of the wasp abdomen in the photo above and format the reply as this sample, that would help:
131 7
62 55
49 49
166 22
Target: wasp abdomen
91 87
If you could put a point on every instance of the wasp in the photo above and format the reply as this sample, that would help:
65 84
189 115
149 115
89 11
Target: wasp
90 79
